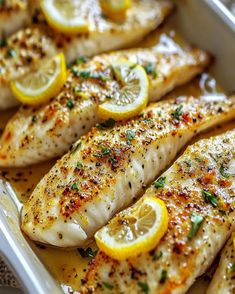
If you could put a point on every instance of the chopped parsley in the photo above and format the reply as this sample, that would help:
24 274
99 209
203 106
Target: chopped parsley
88 252
210 198
104 151
158 255
108 285
164 276
223 172
177 113
151 69
130 136
196 220
3 41
106 124
82 59
223 212
160 182
144 287
70 104
85 74
74 186
11 52
79 165
231 268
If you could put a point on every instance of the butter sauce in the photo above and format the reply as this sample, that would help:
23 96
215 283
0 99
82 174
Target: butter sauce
69 267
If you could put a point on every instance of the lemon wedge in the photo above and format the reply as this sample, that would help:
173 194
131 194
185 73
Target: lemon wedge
132 96
115 9
135 230
65 16
38 87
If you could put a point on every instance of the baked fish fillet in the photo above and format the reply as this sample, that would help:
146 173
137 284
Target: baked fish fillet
13 16
223 279
36 134
173 266
108 169
29 47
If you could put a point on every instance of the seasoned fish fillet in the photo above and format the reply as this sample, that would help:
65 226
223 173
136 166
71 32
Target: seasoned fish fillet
26 49
108 169
39 133
223 279
186 251
13 16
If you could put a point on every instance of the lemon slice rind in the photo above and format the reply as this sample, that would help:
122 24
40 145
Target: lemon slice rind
145 243
70 26
26 93
137 78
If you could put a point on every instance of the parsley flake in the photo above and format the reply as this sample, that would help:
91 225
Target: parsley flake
106 124
210 198
144 287
88 252
231 268
108 285
74 186
196 220
160 182
70 104
158 255
79 165
223 172
82 59
151 69
164 277
177 113
130 136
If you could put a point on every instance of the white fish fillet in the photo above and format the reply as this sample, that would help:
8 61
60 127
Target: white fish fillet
105 171
176 262
29 47
13 16
223 281
36 134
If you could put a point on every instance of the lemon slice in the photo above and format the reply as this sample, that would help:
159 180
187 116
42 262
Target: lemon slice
135 230
38 87
66 16
132 96
115 9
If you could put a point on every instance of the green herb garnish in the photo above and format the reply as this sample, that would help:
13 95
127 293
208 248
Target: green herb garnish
151 69
231 268
157 256
160 182
74 186
108 285
70 104
88 252
164 276
82 59
210 198
106 124
144 287
223 172
130 136
11 52
177 113
79 165
196 220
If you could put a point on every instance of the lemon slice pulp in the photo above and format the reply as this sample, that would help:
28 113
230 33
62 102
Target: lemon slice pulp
115 9
66 16
135 230
38 87
132 95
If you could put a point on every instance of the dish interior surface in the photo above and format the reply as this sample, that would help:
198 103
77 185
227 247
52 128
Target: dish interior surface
69 267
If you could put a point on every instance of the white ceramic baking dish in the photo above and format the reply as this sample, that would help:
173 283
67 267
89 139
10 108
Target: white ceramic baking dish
205 23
